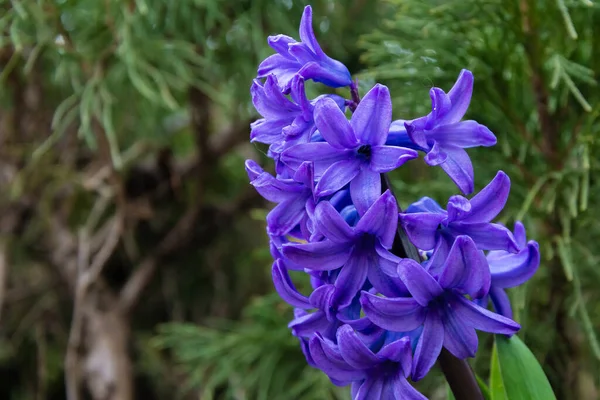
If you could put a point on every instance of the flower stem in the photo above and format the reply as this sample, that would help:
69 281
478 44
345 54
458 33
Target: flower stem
458 373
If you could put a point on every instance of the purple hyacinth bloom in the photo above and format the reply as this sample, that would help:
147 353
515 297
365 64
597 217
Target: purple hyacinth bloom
354 151
374 376
443 136
430 227
360 251
305 58
294 196
449 319
510 270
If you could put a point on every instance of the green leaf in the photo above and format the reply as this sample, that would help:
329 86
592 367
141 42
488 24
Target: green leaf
516 373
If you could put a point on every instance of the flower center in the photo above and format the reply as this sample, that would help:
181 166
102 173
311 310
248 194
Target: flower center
364 152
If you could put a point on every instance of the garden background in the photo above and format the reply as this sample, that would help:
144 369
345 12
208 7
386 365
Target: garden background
133 255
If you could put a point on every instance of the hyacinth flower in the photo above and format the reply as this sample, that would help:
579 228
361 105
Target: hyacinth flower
293 195
430 227
449 319
443 136
304 58
355 152
360 251
381 375
510 270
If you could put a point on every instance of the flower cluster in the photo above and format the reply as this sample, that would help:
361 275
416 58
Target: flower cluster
374 319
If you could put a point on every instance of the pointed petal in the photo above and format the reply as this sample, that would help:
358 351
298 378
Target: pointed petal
519 234
373 116
457 207
436 155
280 43
307 34
460 96
333 125
422 286
282 67
371 388
285 287
416 132
275 190
268 131
486 236
395 314
482 319
435 263
488 203
383 275
463 134
421 228
381 219
306 325
404 390
429 346
460 339
400 352
466 269
388 158
501 302
328 359
285 216
512 270
365 188
330 223
321 153
327 71
440 107
459 168
425 204
337 176
318 256
352 277
353 351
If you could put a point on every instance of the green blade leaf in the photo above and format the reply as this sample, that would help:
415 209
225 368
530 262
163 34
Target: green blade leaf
521 376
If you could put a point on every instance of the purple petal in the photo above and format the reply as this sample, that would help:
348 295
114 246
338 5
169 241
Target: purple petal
436 155
268 131
305 174
330 223
283 68
511 270
307 35
275 190
381 219
421 228
373 116
519 234
501 302
457 207
486 236
416 132
388 158
440 253
459 168
337 176
318 256
404 391
321 153
488 203
460 96
425 204
400 352
253 169
395 314
422 286
285 287
459 338
440 108
280 44
371 388
482 319
333 125
306 325
463 134
353 351
365 188
466 269
329 72
328 359
352 277
285 216
429 346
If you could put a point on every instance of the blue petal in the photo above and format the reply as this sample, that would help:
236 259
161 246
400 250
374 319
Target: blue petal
333 125
318 256
422 286
285 287
395 314
372 118
429 346
488 203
